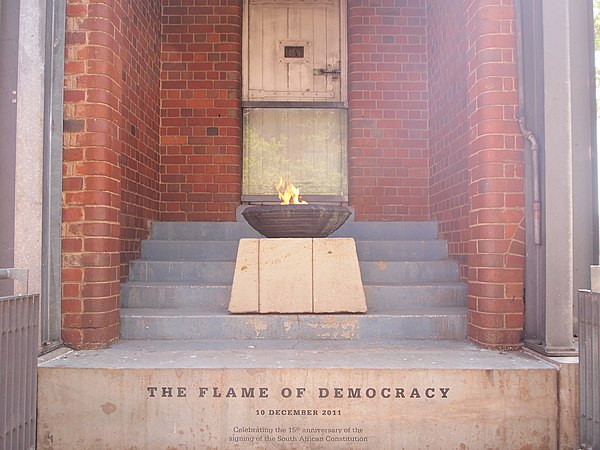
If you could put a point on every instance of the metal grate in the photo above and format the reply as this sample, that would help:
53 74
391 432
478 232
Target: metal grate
589 369
19 318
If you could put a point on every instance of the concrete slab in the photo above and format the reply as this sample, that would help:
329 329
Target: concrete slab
568 400
211 354
288 395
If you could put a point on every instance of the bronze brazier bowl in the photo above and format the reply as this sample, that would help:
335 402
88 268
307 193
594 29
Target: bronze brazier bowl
296 221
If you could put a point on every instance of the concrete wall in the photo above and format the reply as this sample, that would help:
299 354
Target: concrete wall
29 154
9 32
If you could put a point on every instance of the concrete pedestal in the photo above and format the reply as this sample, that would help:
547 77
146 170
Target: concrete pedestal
233 394
297 276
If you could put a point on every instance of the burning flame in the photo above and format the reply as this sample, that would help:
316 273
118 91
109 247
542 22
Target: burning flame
291 195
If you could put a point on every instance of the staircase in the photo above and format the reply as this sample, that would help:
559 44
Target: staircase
180 287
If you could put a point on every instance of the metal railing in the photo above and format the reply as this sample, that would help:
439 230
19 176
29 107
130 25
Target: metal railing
19 318
20 277
589 369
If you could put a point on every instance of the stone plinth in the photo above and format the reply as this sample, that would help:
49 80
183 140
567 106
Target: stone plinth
306 395
297 276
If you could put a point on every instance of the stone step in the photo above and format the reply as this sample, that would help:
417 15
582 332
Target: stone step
410 323
181 287
216 298
174 295
389 231
205 273
163 250
399 272
226 250
428 250
382 297
418 394
199 231
219 272
211 231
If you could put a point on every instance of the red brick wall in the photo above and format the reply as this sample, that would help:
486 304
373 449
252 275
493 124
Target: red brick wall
91 176
140 55
201 117
496 178
388 92
449 125
432 131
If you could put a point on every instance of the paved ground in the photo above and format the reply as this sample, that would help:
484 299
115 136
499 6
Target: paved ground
294 354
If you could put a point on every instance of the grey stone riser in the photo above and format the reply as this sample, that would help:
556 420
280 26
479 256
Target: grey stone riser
398 272
430 250
414 296
423 323
206 273
402 231
389 231
197 231
227 250
211 273
170 295
190 250
216 298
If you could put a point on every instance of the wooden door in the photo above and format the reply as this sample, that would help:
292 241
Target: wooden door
294 51
294 98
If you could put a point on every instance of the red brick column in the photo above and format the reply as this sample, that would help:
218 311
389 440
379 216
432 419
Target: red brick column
201 132
91 175
495 178
388 113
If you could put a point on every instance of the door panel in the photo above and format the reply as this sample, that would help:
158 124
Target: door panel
312 74
294 55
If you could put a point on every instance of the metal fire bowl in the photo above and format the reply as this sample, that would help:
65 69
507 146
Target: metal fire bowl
296 221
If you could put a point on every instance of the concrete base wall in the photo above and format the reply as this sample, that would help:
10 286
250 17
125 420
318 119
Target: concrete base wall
367 400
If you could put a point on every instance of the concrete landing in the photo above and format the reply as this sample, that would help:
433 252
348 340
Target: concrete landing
296 394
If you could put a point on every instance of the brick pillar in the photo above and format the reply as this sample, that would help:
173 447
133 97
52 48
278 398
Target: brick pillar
91 176
496 178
